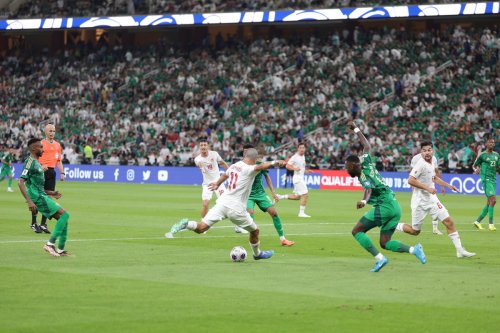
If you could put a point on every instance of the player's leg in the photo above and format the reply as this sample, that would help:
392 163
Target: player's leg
441 213
303 203
204 207
491 209
50 184
267 206
390 214
48 207
9 183
245 221
35 227
366 223
206 196
60 233
288 196
418 214
435 228
217 213
489 192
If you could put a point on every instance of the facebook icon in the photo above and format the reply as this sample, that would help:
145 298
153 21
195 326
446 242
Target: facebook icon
117 173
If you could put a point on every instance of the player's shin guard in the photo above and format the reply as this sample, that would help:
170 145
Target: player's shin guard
59 227
278 226
366 243
10 182
397 246
483 214
33 218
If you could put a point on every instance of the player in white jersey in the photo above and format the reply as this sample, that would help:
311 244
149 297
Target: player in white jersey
414 161
424 200
233 203
208 161
298 164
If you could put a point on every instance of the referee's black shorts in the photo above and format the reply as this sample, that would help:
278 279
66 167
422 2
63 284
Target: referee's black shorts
50 179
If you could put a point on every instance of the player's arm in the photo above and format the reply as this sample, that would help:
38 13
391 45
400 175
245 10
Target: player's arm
418 184
200 165
224 164
444 184
361 137
271 188
60 166
366 196
22 188
438 175
54 194
291 167
215 185
268 165
477 165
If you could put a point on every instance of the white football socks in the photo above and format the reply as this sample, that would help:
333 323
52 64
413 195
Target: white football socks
435 225
255 248
192 225
302 209
455 238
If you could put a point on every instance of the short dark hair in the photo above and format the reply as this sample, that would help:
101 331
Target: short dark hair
301 144
202 139
248 146
425 144
353 159
32 141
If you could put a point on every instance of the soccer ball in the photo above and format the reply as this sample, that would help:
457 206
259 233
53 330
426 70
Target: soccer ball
238 254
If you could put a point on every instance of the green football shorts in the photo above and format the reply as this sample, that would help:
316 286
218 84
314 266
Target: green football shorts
490 188
386 216
262 201
46 206
5 171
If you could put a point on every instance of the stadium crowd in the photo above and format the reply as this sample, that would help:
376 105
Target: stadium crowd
150 106
75 8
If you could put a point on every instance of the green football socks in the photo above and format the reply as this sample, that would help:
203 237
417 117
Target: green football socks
60 231
278 226
397 246
483 214
490 213
366 243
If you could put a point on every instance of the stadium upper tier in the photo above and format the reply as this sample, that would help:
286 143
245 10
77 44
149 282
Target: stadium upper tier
75 8
151 105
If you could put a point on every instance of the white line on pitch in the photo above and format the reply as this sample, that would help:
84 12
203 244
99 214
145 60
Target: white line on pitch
185 237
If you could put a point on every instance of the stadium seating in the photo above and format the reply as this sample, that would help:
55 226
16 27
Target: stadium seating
150 106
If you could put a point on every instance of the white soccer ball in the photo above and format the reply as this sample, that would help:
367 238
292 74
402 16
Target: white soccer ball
238 254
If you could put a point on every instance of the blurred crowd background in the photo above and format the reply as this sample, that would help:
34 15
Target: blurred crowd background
117 103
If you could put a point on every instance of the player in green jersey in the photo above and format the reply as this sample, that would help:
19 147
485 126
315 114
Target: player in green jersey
6 170
385 212
486 165
258 196
31 184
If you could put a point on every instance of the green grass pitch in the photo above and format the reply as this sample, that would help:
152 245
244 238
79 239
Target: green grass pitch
126 277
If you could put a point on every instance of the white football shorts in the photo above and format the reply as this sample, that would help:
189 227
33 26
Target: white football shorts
299 187
207 194
433 207
220 212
